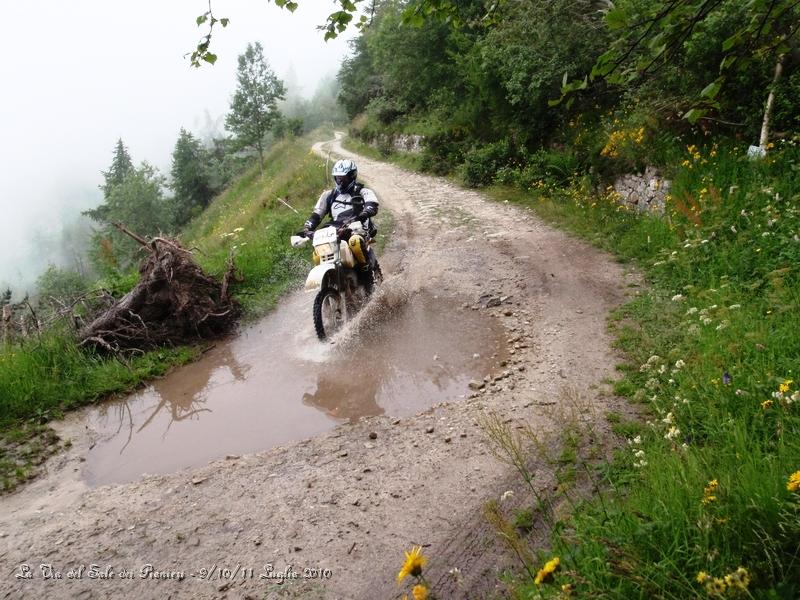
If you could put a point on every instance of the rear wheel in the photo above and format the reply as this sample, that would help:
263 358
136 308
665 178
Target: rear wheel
328 313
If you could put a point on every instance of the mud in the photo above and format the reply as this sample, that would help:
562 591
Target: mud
351 499
276 384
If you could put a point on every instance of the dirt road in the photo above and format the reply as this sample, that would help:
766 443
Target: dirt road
343 506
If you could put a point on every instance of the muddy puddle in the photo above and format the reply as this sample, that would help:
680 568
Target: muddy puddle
275 384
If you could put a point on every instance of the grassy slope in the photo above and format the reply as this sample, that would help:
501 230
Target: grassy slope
711 347
43 377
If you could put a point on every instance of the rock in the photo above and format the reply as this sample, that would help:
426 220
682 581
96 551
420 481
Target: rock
373 435
429 429
448 439
231 456
476 385
198 480
343 454
509 313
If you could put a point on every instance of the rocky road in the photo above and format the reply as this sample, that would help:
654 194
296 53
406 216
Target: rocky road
338 510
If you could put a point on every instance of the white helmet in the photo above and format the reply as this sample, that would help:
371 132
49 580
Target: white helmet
344 174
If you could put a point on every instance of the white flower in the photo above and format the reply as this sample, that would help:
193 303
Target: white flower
672 433
691 311
639 454
640 464
651 383
238 229
669 419
706 320
653 359
733 229
671 382
644 367
506 495
677 297
722 325
679 364
662 369
734 307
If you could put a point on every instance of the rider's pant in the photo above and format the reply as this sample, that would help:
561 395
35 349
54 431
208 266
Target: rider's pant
360 250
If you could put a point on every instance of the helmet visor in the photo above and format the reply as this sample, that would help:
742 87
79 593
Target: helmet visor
342 180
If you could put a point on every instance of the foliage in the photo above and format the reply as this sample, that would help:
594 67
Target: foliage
706 488
121 167
254 107
61 284
190 183
138 203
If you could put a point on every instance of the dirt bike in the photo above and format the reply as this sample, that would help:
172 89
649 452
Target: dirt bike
343 287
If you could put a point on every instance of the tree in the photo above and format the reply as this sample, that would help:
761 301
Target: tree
121 167
190 178
254 107
138 203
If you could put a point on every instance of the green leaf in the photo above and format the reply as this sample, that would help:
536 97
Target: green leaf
202 19
694 114
712 89
224 22
291 6
616 18
210 58
732 41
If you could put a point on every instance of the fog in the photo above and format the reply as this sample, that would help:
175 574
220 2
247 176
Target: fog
76 76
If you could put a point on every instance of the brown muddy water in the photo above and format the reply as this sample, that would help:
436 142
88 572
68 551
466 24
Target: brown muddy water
275 383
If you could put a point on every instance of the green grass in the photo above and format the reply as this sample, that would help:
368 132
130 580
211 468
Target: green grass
709 344
42 377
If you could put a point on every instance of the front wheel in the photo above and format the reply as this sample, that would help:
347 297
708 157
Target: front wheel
328 313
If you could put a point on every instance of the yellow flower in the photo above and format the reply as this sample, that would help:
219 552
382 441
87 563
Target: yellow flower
413 564
739 579
794 482
546 572
766 404
709 492
419 592
716 587
702 577
784 387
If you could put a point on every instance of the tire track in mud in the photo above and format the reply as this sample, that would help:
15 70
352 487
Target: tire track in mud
354 499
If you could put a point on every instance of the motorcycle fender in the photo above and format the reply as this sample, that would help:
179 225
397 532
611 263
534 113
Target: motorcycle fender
317 275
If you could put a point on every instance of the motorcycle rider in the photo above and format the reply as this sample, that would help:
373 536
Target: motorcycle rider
347 202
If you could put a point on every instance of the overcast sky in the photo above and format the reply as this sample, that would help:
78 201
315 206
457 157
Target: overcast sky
76 75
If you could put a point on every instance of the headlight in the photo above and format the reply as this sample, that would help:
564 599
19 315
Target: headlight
325 251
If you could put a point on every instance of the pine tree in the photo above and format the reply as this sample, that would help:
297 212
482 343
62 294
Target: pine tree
121 167
190 178
254 108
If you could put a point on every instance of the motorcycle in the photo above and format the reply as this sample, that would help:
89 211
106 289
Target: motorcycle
342 289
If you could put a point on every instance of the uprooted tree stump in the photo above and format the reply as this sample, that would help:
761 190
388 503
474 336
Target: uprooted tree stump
173 303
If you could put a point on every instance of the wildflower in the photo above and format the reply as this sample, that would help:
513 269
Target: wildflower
653 359
734 307
669 419
662 369
706 320
703 577
715 587
739 579
709 492
722 325
784 387
677 297
238 229
672 433
419 592
679 364
506 495
413 564
794 482
766 404
691 311
726 378
546 572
